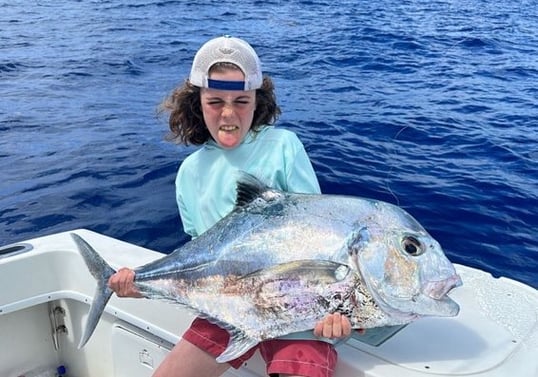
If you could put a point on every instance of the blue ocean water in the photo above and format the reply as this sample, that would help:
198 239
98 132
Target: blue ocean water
431 105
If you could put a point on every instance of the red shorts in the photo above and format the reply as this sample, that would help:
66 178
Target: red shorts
310 358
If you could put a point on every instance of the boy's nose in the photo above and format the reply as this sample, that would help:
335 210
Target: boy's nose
227 110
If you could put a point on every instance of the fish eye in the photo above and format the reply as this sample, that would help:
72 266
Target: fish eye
412 246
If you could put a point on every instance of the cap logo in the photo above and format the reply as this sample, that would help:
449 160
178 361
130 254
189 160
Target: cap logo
226 51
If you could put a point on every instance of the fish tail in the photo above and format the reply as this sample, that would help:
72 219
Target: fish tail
101 271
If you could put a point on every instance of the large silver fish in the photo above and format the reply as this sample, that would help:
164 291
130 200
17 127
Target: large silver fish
279 262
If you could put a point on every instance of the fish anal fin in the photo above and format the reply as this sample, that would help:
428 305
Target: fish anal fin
239 343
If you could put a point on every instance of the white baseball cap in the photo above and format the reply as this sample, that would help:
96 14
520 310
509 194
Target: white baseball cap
230 50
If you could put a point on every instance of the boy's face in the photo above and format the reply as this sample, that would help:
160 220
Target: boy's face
228 114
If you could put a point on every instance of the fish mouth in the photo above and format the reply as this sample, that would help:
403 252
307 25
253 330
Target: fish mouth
434 299
438 290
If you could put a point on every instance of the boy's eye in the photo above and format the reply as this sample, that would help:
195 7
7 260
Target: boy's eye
239 102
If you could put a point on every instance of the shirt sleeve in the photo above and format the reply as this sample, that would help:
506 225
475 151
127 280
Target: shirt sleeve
300 173
186 220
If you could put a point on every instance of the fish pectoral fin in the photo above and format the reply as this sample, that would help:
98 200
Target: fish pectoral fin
239 344
303 283
307 269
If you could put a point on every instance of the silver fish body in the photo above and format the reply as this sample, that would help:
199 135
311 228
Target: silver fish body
280 262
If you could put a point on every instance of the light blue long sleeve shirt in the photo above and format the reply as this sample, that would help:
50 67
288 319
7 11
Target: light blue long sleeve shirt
206 180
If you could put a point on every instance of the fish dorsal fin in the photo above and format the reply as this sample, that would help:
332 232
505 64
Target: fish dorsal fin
238 344
248 188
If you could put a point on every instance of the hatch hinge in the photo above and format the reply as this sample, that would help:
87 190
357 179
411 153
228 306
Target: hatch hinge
57 320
